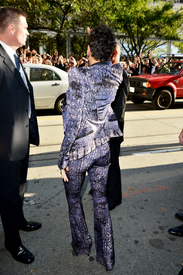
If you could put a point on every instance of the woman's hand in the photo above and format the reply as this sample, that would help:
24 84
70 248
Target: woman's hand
63 174
181 137
88 30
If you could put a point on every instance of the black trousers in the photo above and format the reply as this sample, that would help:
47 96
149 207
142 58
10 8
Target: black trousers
12 188
114 189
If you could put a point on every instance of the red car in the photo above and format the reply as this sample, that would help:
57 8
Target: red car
162 87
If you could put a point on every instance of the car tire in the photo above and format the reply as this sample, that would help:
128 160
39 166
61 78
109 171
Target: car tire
137 100
59 104
162 100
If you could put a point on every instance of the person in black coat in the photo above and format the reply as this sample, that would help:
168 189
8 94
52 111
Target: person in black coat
60 63
181 272
178 230
114 189
18 128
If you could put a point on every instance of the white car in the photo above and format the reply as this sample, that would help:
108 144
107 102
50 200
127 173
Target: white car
50 85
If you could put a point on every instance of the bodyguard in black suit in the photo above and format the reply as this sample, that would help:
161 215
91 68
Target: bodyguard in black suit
114 192
18 128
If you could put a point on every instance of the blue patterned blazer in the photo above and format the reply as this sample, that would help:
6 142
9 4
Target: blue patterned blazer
88 118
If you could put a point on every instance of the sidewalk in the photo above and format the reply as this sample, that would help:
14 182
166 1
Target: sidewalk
152 194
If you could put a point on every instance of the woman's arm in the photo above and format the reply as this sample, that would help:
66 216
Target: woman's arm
72 115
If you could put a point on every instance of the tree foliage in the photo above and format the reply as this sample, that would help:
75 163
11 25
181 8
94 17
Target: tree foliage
46 14
179 45
142 19
135 20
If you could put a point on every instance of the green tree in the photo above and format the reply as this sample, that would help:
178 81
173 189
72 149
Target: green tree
139 20
87 13
179 45
136 20
46 14
59 14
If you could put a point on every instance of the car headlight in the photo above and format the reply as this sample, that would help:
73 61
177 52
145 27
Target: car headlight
146 84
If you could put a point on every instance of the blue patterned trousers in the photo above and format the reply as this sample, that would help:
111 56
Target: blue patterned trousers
97 164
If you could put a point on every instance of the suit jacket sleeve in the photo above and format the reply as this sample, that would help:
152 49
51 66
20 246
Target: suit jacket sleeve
119 104
71 118
33 125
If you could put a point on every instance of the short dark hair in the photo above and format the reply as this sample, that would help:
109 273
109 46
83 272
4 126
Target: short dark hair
102 42
10 15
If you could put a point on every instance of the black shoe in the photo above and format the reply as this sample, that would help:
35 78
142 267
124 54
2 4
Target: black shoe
113 205
176 231
30 226
181 272
74 253
179 216
21 254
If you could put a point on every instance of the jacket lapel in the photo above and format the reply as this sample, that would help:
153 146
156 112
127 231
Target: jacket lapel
8 62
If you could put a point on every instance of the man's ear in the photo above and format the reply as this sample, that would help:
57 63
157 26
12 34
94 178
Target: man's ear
11 28
114 53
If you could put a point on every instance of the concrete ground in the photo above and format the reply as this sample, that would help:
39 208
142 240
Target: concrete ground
151 169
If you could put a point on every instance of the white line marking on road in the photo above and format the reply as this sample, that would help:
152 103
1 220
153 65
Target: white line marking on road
157 151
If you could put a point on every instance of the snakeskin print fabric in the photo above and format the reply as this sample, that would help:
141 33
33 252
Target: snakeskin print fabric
89 123
97 164
88 118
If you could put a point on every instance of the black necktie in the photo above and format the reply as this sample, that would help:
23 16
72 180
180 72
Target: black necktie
17 62
21 72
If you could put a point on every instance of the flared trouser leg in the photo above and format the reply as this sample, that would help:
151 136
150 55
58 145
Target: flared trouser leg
81 240
102 221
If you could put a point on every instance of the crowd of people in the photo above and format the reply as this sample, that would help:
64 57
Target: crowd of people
32 56
141 64
132 65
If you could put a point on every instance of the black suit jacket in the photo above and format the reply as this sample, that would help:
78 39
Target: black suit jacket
119 104
16 129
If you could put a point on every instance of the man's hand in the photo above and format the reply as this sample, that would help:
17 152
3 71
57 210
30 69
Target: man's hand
63 174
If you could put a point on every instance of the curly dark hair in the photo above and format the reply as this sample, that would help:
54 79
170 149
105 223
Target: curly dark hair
102 42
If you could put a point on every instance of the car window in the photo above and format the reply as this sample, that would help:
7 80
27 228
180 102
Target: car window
42 74
173 68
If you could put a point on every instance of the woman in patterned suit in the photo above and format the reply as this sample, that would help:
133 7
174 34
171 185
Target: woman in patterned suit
89 123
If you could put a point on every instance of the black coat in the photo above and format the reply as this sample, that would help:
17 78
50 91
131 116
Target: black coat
119 104
16 129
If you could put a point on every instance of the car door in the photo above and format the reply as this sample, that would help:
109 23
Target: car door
178 81
47 85
179 86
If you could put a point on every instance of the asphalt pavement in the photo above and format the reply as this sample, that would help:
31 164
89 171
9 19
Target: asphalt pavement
151 161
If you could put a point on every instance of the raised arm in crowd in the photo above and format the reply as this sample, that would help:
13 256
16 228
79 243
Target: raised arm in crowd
137 65
142 64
